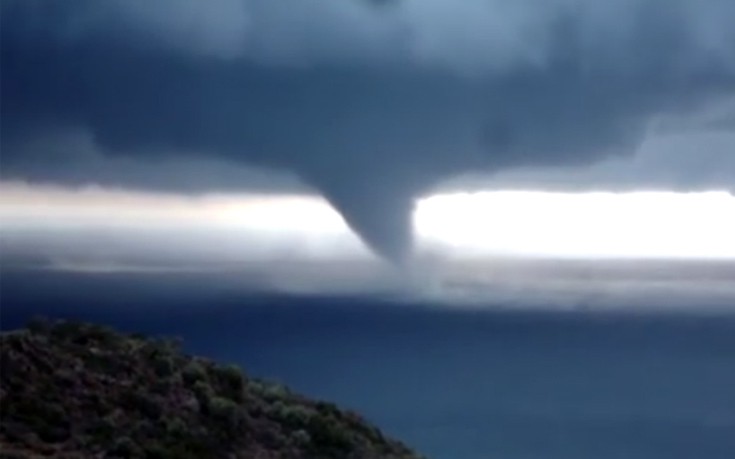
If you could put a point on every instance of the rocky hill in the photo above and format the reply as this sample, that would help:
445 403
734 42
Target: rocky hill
75 390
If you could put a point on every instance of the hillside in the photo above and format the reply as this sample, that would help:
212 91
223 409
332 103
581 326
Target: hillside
78 390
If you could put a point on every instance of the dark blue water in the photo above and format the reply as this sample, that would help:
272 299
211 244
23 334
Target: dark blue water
453 384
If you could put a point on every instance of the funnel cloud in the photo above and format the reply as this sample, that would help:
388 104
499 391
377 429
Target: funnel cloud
370 102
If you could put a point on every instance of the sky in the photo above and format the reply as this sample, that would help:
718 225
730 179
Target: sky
370 104
141 134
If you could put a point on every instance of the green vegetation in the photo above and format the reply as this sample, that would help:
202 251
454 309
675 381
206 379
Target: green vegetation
80 390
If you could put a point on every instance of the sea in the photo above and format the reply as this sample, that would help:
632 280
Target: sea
451 382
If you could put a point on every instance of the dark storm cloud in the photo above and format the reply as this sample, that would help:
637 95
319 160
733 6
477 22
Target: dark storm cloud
683 161
370 102
84 162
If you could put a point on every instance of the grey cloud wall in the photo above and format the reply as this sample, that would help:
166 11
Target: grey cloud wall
372 103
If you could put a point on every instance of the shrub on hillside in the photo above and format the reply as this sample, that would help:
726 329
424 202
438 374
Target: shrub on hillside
79 390
231 380
193 371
